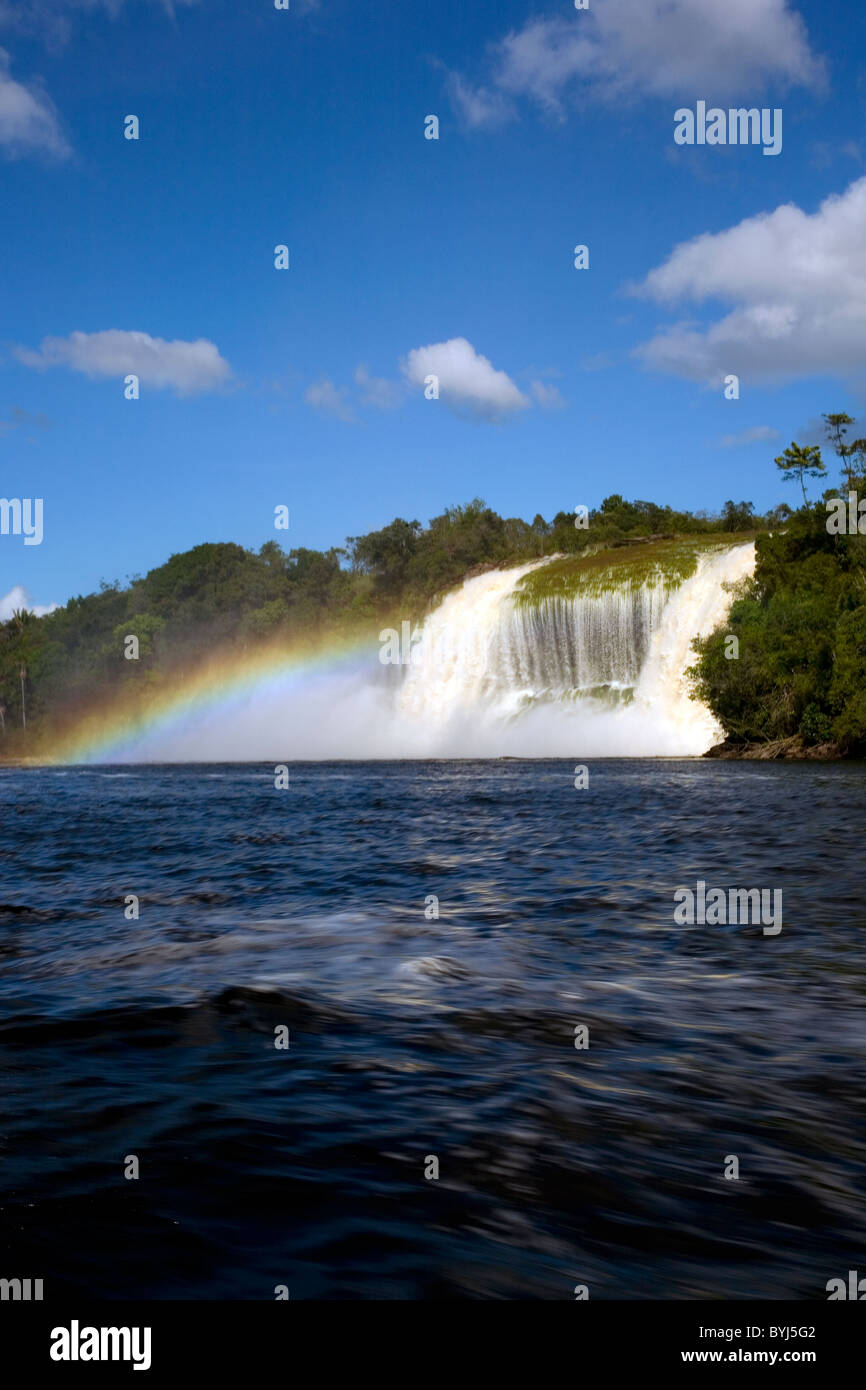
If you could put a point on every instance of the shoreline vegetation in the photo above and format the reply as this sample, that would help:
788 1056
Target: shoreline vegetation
794 749
797 687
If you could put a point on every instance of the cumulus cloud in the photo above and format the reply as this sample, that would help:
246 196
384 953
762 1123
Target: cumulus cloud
18 597
188 368
626 48
796 284
324 395
28 123
18 418
756 434
548 397
468 383
478 105
814 431
18 11
377 390
53 20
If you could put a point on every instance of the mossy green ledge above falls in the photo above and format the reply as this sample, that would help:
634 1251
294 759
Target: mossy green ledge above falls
666 560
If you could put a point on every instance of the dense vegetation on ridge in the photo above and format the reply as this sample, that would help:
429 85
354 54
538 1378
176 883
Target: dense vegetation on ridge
221 596
801 621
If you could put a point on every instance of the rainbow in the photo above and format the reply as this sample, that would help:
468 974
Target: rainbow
110 730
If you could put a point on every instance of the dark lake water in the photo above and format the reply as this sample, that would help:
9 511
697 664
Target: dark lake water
412 1038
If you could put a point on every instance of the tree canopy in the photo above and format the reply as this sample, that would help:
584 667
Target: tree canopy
800 621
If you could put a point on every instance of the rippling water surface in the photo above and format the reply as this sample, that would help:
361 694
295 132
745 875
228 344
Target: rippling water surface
412 1037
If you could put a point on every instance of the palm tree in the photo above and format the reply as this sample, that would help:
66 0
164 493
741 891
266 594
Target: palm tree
858 449
837 428
801 461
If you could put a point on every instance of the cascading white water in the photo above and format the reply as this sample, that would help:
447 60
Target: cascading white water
481 647
600 674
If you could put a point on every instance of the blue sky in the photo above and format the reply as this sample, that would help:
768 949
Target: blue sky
304 387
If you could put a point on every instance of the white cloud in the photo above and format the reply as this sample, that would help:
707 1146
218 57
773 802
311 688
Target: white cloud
797 286
548 397
19 418
478 106
814 431
623 48
596 362
377 390
756 434
18 597
324 395
187 367
53 18
468 382
28 124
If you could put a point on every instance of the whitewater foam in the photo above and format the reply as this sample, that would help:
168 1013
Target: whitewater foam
597 674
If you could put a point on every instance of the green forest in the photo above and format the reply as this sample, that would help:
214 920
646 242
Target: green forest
801 621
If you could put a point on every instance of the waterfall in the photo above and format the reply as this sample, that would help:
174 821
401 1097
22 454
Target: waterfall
481 647
592 668
600 672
